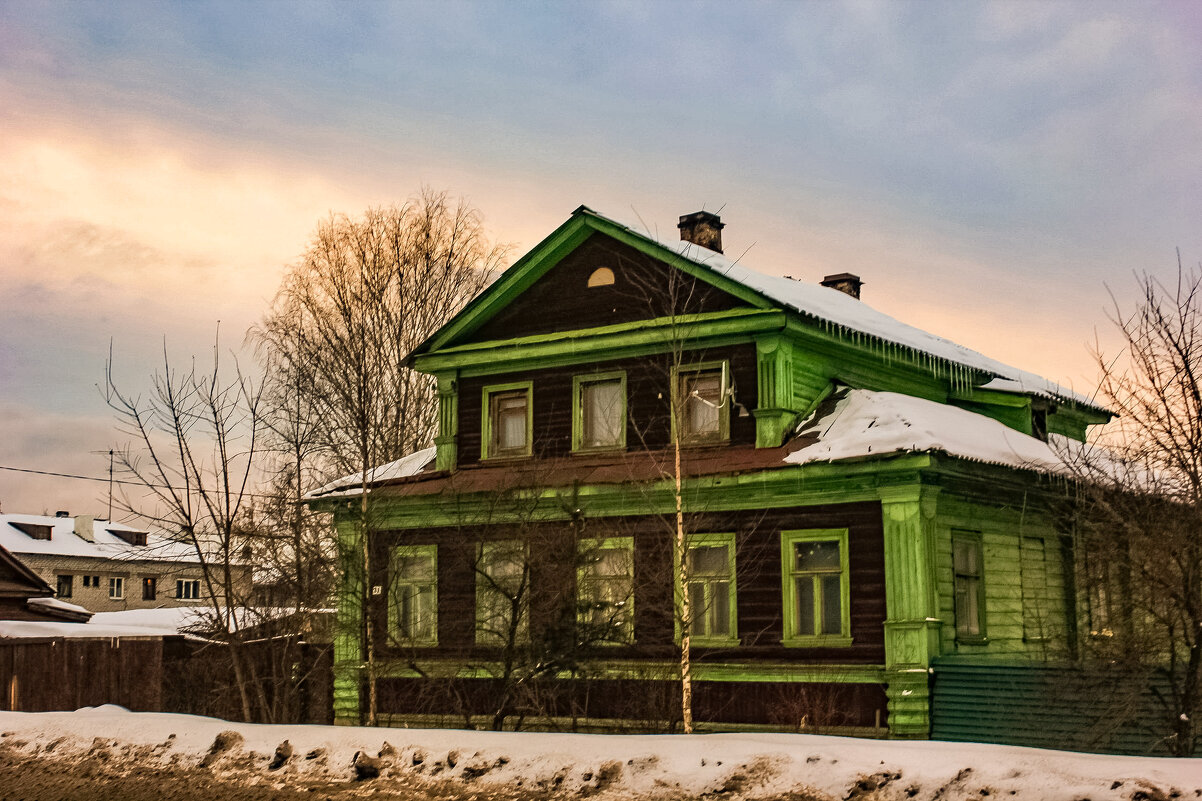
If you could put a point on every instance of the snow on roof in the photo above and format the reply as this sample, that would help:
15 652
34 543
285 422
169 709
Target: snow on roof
833 306
58 604
865 423
65 542
17 629
402 468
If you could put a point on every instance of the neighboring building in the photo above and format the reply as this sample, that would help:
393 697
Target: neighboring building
862 501
104 566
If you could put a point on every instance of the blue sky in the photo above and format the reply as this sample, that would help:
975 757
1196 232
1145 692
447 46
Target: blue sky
988 169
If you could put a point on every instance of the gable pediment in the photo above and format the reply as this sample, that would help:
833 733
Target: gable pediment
590 273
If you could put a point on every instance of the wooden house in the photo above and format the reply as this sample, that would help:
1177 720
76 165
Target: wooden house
857 499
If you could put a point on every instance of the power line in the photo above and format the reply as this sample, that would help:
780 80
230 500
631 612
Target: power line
111 480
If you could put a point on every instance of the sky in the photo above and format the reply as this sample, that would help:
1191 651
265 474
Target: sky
995 172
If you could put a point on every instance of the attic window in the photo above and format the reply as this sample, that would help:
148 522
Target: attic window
33 530
602 276
132 537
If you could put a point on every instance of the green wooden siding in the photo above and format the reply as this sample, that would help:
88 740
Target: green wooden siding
1046 706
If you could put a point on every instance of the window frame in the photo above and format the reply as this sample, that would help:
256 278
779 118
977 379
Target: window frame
183 594
487 423
116 588
62 580
153 583
392 636
709 539
1036 623
582 579
483 636
977 540
578 384
722 366
791 634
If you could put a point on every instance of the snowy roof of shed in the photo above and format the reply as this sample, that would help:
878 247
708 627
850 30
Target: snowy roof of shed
836 308
64 541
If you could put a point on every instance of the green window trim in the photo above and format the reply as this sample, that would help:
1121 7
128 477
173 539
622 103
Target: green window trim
585 579
578 384
792 634
968 588
710 539
396 585
488 592
487 422
676 414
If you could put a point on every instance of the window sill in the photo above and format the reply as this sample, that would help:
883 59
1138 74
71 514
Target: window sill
963 640
505 457
712 642
818 641
598 449
403 645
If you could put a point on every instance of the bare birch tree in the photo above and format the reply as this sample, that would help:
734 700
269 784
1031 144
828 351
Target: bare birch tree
366 292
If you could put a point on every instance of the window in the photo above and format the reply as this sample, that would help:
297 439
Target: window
150 588
1034 578
91 581
710 582
814 569
116 588
969 586
599 412
605 590
602 276
701 409
501 593
506 421
187 590
413 596
65 586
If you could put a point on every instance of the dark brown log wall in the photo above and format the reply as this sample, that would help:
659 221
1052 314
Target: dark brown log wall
561 300
758 578
649 705
648 398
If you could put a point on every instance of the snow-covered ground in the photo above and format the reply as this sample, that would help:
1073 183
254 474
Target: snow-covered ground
626 766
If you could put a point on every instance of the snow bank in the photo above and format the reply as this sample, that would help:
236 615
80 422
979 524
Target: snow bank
738 765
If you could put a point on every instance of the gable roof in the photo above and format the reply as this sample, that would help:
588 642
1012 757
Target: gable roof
28 583
827 308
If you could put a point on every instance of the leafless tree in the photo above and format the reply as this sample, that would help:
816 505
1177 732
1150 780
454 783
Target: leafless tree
1139 519
366 292
195 442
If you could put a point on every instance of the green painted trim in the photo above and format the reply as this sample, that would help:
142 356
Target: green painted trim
603 343
793 635
578 382
482 635
976 539
446 443
394 637
486 421
677 410
583 577
653 670
702 540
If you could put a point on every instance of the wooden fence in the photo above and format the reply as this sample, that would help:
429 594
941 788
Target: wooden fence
157 674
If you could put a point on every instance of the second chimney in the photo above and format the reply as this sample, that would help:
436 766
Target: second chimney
702 228
844 282
84 527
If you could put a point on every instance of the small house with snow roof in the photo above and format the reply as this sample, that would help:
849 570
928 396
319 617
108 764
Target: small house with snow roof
643 444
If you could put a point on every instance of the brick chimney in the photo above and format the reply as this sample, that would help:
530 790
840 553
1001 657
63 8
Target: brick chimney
702 228
844 282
